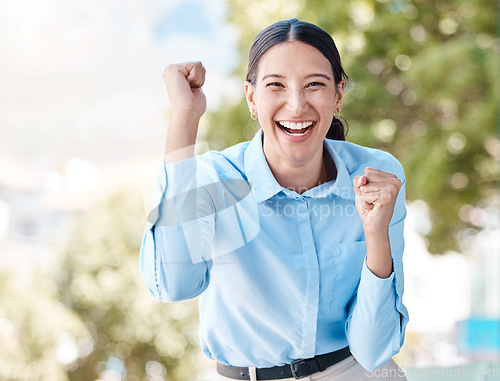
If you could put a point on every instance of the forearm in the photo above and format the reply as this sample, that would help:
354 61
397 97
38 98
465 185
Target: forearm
181 137
378 253
174 267
176 246
373 327
377 317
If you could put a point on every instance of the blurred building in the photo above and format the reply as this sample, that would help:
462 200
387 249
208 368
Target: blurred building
36 210
24 224
479 334
453 299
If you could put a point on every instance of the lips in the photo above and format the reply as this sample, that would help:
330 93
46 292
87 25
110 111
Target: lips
295 128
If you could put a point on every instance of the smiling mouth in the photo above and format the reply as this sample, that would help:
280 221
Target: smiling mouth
295 129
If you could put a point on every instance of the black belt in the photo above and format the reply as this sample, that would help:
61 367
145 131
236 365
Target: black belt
298 369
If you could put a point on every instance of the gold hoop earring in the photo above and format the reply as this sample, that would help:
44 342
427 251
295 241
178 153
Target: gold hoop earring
253 115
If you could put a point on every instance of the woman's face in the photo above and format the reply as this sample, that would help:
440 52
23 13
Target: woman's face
295 98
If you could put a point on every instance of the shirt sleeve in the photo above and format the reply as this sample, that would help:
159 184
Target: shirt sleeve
175 252
377 318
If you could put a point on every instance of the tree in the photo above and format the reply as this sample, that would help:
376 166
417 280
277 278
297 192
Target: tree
424 87
35 330
132 335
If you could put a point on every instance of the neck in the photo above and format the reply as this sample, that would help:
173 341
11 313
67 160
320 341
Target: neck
302 175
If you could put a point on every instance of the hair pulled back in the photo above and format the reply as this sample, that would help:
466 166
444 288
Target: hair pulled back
296 30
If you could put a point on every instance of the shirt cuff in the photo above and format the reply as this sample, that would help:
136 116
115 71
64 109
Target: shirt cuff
177 190
179 177
373 281
377 295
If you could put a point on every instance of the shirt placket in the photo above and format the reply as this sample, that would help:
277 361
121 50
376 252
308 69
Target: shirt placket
311 265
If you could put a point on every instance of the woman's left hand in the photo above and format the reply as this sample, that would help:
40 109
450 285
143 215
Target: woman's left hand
376 192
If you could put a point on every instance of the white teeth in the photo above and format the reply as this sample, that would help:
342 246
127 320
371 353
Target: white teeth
295 126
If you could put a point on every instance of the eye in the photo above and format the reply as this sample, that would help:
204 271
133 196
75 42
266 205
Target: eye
275 84
316 84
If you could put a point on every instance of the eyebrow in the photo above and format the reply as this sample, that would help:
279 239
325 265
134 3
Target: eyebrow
319 75
272 76
308 76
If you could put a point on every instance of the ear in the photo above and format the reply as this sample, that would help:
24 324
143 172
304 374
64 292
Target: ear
250 95
339 96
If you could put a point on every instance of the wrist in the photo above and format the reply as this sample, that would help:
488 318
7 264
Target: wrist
181 138
186 119
375 232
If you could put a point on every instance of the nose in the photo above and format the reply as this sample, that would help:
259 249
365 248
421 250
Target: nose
296 102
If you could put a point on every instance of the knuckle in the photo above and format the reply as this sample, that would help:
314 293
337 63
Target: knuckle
393 189
169 69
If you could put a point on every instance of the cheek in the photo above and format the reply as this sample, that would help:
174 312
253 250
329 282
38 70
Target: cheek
325 110
325 106
321 96
269 102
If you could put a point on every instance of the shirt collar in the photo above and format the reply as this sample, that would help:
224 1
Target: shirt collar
342 186
262 181
264 185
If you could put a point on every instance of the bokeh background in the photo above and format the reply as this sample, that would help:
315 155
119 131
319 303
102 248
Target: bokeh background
83 116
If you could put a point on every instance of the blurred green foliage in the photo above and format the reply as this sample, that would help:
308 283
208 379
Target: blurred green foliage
424 87
33 324
132 335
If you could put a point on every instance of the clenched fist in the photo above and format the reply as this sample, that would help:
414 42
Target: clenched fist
376 192
184 82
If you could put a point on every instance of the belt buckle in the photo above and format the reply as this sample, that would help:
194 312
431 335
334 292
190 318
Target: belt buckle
303 371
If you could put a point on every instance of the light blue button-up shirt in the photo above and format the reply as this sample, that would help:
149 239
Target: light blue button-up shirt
282 275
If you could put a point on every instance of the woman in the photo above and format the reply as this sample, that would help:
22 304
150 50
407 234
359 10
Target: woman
294 241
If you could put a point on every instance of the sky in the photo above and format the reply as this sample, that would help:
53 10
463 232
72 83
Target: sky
84 78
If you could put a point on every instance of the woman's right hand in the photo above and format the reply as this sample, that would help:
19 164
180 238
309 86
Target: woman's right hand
184 82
